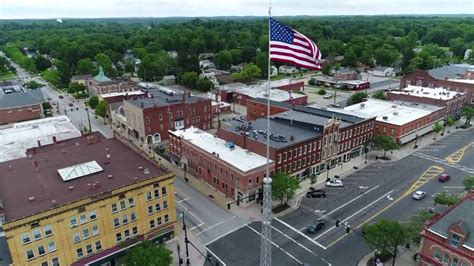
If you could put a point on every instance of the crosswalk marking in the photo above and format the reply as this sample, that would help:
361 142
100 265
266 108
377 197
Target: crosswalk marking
444 162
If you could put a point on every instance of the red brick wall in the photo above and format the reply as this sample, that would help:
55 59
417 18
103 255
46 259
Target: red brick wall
258 110
454 105
299 101
25 113
297 86
432 242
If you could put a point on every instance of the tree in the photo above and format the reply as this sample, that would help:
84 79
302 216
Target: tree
76 87
444 198
248 74
204 84
385 143
327 68
416 225
147 253
33 85
223 60
313 178
468 182
450 122
42 63
46 108
102 109
93 102
357 98
65 73
284 187
52 76
386 55
386 236
350 57
189 79
104 61
322 92
85 66
437 127
380 94
261 60
457 46
468 111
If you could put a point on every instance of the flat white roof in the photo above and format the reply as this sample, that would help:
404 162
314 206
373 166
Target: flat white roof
260 91
221 104
14 141
239 158
468 81
394 113
433 93
113 94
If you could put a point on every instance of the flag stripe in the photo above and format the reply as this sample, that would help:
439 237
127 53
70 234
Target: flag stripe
292 57
306 58
290 61
290 47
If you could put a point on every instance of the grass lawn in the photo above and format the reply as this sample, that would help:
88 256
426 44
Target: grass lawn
8 75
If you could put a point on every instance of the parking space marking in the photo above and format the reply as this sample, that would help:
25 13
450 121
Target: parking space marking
190 212
194 227
446 187
459 154
273 243
223 235
183 200
215 256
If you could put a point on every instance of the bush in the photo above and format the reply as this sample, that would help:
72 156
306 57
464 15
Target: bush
380 94
446 199
322 92
33 85
311 82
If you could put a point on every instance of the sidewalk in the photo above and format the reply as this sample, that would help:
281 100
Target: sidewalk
405 258
195 257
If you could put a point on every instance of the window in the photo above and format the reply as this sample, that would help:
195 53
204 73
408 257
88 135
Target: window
95 230
41 251
131 202
25 238
133 216
135 231
89 249
165 204
167 218
123 206
148 195
37 234
157 193
30 254
147 120
51 246
150 210
163 191
79 252
124 219
118 237
157 207
48 230
85 233
159 221
44 263
83 218
98 245
92 215
445 258
152 223
454 240
55 261
126 233
76 237
454 262
116 222
114 208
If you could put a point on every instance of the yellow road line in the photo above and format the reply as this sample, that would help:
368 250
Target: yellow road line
457 156
429 174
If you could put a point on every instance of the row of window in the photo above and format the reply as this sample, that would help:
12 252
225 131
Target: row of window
37 234
123 205
156 193
126 234
83 218
133 217
88 250
157 208
159 221
86 234
446 259
40 251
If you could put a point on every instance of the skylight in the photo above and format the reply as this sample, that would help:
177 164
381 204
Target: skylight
79 170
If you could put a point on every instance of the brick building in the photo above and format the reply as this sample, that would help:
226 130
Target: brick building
236 172
346 74
19 104
447 239
403 121
305 140
257 108
458 78
148 120
101 84
453 100
83 201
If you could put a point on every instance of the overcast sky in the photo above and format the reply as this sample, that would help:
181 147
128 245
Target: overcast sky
191 8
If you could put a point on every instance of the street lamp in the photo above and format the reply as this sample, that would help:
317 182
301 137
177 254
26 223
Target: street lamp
186 241
89 120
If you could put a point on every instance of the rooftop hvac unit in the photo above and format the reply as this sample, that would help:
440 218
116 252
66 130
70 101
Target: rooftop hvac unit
385 117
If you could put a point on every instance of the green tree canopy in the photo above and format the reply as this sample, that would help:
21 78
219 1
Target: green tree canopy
102 109
385 143
284 187
75 87
249 73
204 84
380 94
357 97
65 73
33 85
86 66
386 55
93 102
437 127
147 253
469 182
416 225
468 112
52 76
104 60
42 63
223 60
189 79
385 236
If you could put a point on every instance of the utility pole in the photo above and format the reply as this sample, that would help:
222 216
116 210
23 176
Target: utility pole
186 241
89 120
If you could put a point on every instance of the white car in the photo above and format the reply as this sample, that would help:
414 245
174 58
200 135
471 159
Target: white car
334 183
327 96
418 195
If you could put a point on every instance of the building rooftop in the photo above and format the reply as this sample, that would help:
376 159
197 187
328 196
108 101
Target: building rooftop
426 92
14 95
101 77
450 71
463 214
38 186
239 158
382 68
260 91
392 112
24 135
81 77
163 96
129 93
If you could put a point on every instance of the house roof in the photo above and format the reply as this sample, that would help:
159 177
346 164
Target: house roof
81 77
450 71
460 215
164 97
17 97
32 185
101 77
382 68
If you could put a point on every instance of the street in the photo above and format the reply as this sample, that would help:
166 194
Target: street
381 190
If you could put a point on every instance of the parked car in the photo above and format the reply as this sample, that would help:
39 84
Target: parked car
70 104
316 194
418 195
444 177
327 96
315 227
335 105
61 97
334 183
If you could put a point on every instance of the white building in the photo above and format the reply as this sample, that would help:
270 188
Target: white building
381 71
288 70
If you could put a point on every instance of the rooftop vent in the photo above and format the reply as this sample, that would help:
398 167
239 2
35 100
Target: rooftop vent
394 106
31 199
385 118
71 187
146 171
395 113
140 168
110 176
362 105
53 202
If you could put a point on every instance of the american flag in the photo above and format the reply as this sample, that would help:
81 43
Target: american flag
289 46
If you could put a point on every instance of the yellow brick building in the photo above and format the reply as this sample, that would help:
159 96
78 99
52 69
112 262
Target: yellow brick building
84 201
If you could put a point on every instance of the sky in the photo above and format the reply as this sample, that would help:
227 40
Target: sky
18 9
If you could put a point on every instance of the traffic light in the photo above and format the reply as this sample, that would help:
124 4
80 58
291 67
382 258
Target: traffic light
348 229
337 223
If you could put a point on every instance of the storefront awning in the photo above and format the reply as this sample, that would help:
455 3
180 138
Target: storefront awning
420 132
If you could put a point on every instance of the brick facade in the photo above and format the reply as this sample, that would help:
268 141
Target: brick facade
257 109
18 114
453 105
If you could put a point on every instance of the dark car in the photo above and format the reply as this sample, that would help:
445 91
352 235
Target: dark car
61 97
315 227
316 194
444 177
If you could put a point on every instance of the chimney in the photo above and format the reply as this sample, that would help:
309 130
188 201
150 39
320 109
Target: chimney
54 139
39 143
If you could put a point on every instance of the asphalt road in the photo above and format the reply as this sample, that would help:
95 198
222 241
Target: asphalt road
380 190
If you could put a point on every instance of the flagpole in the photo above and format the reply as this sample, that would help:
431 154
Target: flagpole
266 244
